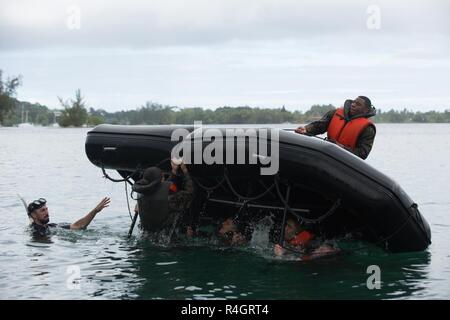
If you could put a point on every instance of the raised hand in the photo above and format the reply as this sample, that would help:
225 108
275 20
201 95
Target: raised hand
184 168
300 130
103 204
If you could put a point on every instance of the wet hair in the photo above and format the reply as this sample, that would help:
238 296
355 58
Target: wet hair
299 223
35 205
366 101
294 218
242 225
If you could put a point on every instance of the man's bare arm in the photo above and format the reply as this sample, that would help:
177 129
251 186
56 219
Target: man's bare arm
86 220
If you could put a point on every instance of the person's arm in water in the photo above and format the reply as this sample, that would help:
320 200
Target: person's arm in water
317 127
280 251
321 251
86 220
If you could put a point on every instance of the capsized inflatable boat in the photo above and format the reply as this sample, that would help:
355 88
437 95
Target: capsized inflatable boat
328 188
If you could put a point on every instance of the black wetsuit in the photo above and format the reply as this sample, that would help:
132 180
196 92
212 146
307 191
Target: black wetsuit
44 230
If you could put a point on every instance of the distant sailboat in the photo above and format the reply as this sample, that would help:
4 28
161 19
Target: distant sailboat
55 123
25 124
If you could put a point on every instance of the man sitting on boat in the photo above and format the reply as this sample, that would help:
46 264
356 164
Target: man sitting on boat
39 214
162 202
301 241
348 126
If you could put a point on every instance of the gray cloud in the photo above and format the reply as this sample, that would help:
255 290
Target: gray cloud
211 53
32 24
266 74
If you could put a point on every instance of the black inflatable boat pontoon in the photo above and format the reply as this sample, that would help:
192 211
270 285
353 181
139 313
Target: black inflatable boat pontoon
326 186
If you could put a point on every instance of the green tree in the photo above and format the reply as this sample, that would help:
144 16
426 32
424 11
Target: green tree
95 120
419 117
317 111
74 113
8 89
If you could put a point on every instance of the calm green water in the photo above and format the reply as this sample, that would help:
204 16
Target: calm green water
51 163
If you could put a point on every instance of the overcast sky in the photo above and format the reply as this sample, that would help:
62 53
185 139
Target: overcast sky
210 53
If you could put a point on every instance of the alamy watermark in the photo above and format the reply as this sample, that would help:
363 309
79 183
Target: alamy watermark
228 146
73 21
374 280
373 21
74 277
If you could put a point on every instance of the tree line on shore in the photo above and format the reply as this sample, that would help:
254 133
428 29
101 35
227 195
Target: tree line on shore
75 113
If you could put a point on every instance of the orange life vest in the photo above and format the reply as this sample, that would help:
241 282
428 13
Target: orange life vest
173 188
301 239
346 132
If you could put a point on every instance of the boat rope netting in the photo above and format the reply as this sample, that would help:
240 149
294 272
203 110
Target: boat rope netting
275 184
245 202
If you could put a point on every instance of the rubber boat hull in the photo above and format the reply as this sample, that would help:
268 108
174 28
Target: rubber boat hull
318 174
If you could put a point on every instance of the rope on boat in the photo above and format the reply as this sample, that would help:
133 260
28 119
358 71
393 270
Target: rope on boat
288 193
239 196
209 189
246 200
126 179
128 202
275 184
383 240
307 220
